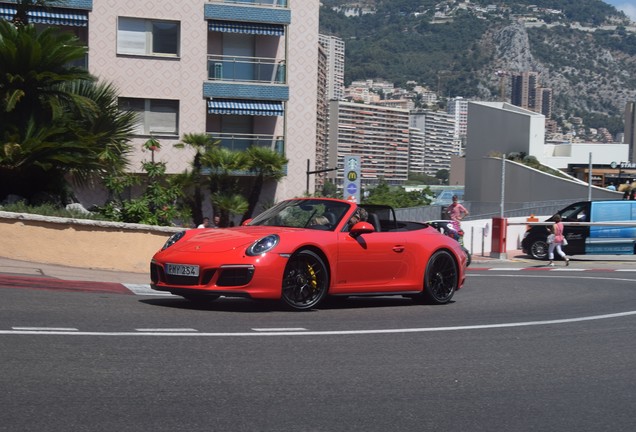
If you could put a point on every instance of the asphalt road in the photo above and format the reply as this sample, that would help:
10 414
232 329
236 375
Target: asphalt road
531 351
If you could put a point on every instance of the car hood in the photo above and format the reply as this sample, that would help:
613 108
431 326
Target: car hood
213 240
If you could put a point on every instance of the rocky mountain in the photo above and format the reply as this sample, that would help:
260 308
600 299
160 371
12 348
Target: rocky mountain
585 50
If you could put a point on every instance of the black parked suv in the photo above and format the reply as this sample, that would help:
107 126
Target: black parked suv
535 243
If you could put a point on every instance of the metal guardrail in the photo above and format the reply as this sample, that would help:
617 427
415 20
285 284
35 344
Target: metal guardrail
628 224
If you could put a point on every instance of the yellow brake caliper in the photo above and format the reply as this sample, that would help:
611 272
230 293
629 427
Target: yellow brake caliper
313 280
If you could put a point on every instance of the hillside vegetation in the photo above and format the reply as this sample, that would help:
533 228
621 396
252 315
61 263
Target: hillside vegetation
584 49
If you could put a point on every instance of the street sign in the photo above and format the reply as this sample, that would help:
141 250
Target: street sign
352 185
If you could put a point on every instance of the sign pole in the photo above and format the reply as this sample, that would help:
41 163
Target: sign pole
589 179
351 190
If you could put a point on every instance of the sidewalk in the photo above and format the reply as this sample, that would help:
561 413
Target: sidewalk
29 269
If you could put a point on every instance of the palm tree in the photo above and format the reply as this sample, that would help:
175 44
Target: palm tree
33 68
224 165
228 204
54 120
201 143
105 131
265 164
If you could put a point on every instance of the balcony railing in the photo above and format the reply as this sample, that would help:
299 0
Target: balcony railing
269 3
240 142
252 69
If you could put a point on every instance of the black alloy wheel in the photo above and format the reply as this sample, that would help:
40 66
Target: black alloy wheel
539 250
305 281
441 278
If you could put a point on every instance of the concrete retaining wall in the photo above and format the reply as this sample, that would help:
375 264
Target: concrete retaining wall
80 243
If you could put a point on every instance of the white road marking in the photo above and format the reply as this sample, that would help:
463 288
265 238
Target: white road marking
548 276
279 329
331 332
504 269
145 290
149 330
59 329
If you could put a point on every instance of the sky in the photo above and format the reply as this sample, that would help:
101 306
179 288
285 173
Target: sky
627 6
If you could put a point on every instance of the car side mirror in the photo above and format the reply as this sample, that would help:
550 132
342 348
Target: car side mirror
361 228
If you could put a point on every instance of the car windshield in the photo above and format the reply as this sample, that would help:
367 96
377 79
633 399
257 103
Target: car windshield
573 212
303 213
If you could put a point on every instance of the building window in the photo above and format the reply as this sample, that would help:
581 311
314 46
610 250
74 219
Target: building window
147 37
154 116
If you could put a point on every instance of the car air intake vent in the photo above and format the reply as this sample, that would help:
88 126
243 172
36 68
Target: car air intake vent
181 280
235 276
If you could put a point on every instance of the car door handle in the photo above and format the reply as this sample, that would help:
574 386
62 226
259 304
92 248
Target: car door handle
398 249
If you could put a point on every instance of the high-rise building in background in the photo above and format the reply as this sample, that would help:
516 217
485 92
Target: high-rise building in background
335 49
523 90
379 135
417 151
458 108
322 118
439 139
630 129
526 92
544 102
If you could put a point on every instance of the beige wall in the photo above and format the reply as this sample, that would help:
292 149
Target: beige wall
182 79
80 243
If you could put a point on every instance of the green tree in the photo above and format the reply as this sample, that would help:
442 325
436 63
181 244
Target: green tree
161 201
104 132
397 196
265 164
41 139
225 192
201 143
442 175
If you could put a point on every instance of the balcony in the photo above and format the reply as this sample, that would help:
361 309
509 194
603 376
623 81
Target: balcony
246 69
240 142
267 3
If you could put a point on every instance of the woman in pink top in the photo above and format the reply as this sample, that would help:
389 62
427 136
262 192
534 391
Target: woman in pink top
557 230
457 212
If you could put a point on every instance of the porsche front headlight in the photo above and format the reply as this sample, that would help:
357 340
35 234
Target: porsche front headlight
173 239
263 245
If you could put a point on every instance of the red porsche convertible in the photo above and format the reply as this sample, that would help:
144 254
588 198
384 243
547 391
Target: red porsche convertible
302 250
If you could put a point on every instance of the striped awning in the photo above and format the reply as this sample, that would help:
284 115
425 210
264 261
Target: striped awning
245 107
246 27
51 17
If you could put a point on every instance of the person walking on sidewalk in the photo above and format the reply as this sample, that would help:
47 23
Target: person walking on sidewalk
557 241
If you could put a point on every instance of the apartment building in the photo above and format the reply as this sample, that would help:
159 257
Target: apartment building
524 88
417 151
458 109
243 71
527 93
335 50
322 118
630 129
379 135
439 139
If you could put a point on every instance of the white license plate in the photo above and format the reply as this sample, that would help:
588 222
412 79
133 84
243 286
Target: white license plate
182 270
